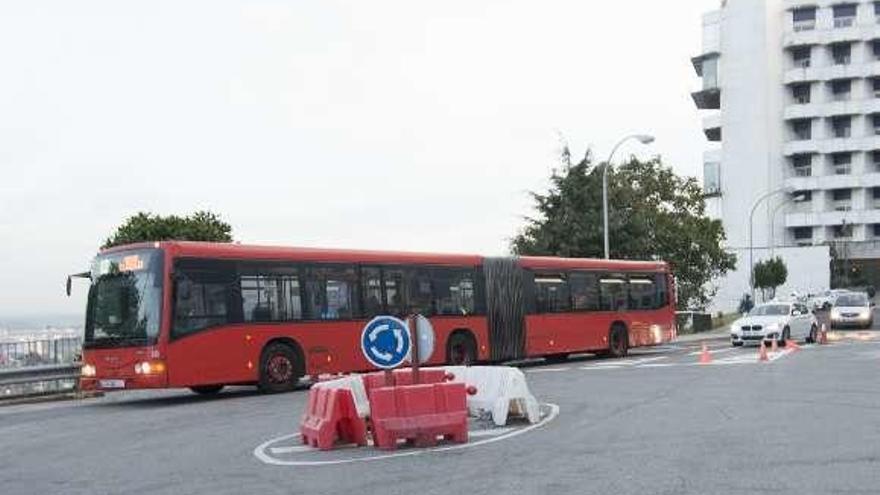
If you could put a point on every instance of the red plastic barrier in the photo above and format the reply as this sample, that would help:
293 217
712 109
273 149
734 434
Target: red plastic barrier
404 377
330 417
419 414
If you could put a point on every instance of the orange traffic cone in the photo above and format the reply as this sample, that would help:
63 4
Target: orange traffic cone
774 347
792 345
762 353
705 355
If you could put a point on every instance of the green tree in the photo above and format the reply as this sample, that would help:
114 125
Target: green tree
653 214
770 274
145 227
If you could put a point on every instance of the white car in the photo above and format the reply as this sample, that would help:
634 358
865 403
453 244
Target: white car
778 321
853 309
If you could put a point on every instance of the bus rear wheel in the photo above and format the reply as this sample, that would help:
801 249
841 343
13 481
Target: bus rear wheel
278 369
207 389
461 350
618 342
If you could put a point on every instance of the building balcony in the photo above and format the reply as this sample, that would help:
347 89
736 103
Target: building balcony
712 127
801 146
804 110
707 99
803 74
829 218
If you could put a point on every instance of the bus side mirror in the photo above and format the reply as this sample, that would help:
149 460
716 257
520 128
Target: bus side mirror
69 285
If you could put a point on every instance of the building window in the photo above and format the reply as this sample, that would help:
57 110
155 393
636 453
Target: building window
803 165
875 86
875 49
842 163
802 129
801 56
841 89
841 53
803 233
875 160
844 15
841 127
711 178
843 231
842 199
877 11
801 93
804 19
710 72
802 196
875 196
875 122
876 229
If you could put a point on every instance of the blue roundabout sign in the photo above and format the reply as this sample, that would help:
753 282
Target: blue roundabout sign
385 342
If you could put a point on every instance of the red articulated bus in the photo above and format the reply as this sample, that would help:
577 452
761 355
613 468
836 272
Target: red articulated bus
204 315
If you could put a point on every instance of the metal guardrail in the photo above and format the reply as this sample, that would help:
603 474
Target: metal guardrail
39 367
36 374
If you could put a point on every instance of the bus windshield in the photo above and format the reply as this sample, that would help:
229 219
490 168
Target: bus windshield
124 299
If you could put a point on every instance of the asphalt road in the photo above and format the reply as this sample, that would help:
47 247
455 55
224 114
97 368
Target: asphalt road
656 422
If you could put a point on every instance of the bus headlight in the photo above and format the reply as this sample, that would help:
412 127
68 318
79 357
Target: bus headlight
88 370
149 367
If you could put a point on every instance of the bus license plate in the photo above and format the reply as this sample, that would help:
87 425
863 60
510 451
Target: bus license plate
112 383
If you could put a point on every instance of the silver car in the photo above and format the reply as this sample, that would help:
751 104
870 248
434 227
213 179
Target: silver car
778 321
853 309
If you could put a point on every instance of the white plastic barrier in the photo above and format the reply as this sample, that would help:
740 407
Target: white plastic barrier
501 391
355 384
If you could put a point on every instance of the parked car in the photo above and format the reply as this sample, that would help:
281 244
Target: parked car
824 300
778 321
853 309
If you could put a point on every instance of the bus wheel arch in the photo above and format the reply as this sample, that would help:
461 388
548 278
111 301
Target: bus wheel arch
282 364
461 347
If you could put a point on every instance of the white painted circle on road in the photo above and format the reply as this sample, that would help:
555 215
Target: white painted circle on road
267 451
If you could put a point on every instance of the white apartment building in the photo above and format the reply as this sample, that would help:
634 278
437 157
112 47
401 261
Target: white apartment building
791 93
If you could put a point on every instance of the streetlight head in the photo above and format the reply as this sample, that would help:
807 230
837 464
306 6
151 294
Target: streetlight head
645 138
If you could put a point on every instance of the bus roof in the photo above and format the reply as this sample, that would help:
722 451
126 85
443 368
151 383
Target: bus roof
257 252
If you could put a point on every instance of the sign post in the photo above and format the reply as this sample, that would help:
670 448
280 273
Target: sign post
414 328
423 342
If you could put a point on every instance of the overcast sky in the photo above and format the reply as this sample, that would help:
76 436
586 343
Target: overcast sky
368 124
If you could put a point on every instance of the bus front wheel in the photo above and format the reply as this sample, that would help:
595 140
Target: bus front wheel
278 369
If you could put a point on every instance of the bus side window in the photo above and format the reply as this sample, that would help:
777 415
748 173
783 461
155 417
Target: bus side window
584 291
454 291
642 292
552 293
419 292
662 285
395 292
201 301
331 292
371 288
613 292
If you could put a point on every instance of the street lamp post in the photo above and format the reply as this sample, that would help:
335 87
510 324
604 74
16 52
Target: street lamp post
787 190
642 138
800 198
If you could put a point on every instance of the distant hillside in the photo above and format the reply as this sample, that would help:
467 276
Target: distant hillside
28 322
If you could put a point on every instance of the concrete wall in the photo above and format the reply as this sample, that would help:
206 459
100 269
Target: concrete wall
809 270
